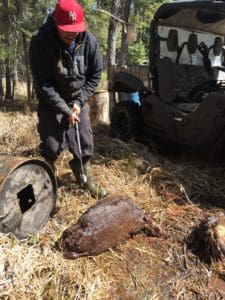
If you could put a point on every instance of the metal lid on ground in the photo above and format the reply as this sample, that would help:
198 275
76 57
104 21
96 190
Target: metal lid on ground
27 195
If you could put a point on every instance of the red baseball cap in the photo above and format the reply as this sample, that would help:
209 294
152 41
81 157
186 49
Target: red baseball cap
69 16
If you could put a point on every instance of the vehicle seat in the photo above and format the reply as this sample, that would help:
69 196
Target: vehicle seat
205 50
217 51
192 46
196 74
181 81
176 81
164 67
166 89
173 81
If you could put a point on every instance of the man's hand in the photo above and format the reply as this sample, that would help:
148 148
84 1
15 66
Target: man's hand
73 119
75 115
76 109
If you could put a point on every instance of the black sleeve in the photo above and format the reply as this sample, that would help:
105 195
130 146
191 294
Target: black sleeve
93 75
42 71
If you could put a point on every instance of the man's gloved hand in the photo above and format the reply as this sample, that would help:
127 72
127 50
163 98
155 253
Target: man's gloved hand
75 115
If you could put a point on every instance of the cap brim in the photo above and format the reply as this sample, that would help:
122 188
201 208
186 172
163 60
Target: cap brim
73 28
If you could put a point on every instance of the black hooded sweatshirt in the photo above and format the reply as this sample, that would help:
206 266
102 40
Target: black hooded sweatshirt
62 79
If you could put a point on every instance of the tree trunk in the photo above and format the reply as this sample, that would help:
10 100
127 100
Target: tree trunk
1 81
13 79
124 42
26 60
111 52
8 90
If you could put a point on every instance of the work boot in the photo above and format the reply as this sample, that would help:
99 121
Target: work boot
96 191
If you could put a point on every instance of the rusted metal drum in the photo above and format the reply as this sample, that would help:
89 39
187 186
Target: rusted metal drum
27 195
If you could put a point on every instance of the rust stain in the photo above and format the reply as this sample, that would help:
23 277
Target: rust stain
216 284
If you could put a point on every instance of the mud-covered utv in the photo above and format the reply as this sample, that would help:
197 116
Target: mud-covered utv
185 101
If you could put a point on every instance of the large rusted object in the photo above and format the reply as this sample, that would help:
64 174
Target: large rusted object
27 195
207 240
103 226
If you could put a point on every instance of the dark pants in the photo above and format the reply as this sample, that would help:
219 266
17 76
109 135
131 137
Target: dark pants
56 135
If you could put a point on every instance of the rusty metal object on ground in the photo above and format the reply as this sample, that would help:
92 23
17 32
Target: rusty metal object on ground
207 240
104 225
27 195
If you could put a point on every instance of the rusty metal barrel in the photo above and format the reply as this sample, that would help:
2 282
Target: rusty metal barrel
27 195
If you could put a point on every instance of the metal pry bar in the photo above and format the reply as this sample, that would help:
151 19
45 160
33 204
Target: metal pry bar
83 176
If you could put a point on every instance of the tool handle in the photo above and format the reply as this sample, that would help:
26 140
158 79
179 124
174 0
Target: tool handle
80 154
78 138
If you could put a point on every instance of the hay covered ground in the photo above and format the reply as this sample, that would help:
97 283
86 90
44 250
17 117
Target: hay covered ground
178 192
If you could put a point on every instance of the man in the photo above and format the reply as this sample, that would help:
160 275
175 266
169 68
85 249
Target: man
66 68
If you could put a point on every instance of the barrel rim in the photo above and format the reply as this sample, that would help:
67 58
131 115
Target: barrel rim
23 161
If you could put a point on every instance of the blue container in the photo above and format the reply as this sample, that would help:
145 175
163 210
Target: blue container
134 97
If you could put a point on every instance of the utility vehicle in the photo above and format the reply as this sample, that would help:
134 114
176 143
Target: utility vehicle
184 103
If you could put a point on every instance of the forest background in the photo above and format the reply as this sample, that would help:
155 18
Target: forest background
19 19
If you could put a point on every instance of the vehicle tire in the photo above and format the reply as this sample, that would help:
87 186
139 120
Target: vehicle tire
125 120
125 82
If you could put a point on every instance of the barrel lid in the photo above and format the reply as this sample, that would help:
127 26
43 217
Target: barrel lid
27 195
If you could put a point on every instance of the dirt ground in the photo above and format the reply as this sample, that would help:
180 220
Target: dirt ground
178 192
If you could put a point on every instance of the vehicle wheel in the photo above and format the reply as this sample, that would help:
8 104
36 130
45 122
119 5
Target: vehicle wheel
125 120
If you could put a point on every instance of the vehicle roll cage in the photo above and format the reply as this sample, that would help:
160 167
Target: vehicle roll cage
209 15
